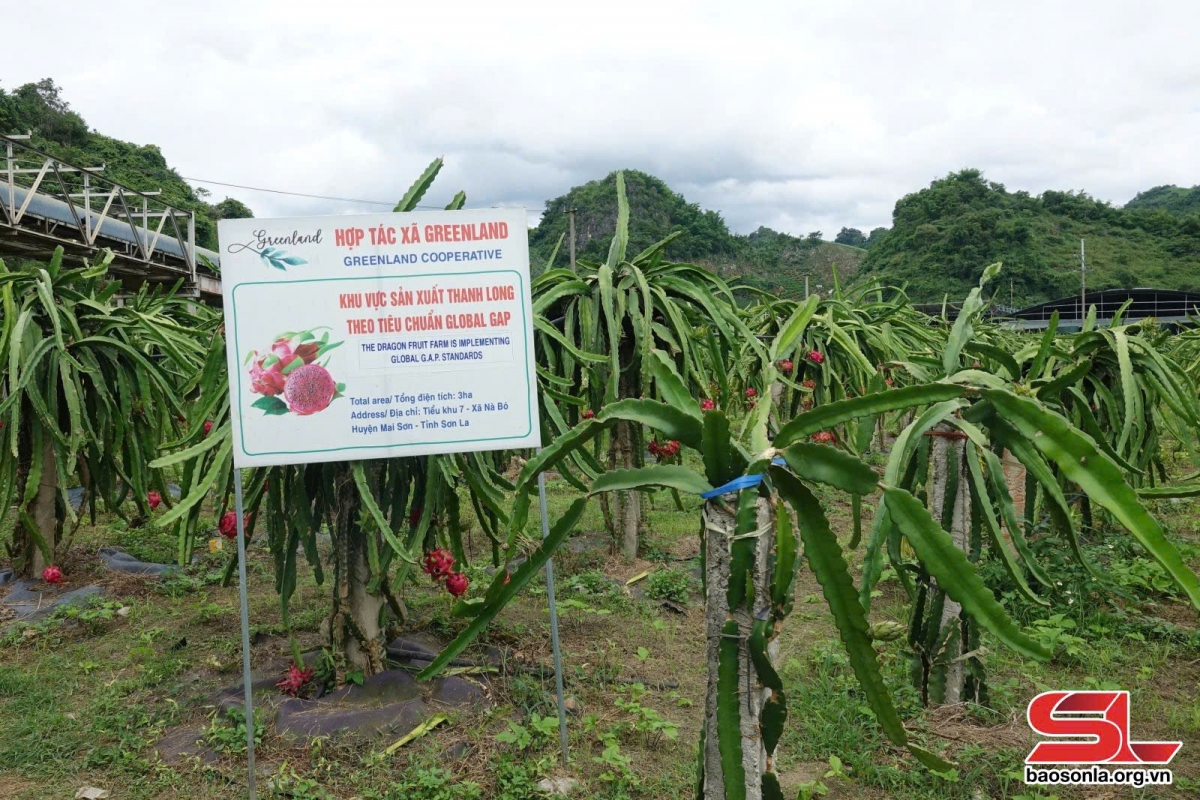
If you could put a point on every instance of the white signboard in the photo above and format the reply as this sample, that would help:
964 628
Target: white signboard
378 336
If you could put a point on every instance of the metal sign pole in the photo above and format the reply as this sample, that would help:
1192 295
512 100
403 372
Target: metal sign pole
558 676
248 692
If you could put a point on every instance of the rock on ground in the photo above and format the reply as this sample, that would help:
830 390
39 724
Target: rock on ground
558 787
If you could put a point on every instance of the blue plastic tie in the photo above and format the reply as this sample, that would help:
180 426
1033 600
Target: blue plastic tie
737 484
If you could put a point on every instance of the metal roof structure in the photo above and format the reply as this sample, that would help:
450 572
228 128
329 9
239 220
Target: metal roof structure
46 202
1168 306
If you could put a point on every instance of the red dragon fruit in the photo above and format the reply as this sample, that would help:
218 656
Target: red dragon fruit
309 389
816 357
824 437
751 392
154 499
457 583
439 564
786 365
208 426
589 414
707 405
653 447
295 680
228 524
52 575
809 384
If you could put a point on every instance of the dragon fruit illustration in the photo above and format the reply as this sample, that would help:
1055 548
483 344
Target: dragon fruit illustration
309 389
267 381
293 375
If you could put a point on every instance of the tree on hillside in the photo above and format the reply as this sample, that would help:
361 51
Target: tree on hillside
232 209
1172 199
659 210
40 108
57 130
815 237
876 237
941 234
851 236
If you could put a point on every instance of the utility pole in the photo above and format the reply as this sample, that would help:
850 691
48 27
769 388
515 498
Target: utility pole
571 220
1082 285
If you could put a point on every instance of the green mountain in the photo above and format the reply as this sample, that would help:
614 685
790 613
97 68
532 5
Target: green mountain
766 259
942 238
1172 199
39 108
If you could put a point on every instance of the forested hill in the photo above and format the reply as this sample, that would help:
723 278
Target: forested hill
940 240
63 133
1174 199
943 236
765 258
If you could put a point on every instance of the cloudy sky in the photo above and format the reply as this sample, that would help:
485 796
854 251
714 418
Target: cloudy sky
797 115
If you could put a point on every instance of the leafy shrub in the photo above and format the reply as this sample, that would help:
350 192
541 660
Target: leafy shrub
431 782
229 735
670 584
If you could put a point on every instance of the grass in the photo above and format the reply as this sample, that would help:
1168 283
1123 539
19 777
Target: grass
85 700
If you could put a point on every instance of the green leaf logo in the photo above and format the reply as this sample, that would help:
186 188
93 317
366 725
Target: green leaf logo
278 258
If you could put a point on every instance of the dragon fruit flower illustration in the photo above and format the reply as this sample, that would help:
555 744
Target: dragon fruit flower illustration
293 375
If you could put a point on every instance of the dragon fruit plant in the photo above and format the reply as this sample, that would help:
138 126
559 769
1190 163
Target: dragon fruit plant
293 376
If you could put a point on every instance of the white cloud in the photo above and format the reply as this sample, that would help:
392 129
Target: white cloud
793 115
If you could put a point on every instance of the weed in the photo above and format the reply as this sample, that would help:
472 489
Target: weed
670 584
229 735
431 782
540 731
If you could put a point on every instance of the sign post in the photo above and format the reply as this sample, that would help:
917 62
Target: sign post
377 336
